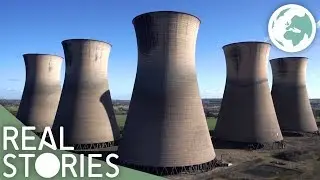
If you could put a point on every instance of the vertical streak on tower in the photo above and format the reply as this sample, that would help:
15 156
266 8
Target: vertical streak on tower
41 92
290 96
247 113
166 124
85 109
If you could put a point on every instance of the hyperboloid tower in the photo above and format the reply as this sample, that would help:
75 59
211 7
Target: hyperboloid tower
290 96
85 109
166 127
41 92
247 114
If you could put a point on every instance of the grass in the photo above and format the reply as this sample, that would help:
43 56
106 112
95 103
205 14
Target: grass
121 119
12 109
211 121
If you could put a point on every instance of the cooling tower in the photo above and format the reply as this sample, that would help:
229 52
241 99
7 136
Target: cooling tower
41 92
247 114
290 96
166 125
85 109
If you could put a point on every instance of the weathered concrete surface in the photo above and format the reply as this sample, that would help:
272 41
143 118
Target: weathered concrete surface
85 109
166 124
41 92
247 113
290 96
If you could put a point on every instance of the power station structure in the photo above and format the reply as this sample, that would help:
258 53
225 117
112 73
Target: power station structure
85 109
290 96
166 130
247 114
41 92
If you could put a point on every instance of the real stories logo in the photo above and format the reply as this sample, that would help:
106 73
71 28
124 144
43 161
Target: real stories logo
48 165
292 28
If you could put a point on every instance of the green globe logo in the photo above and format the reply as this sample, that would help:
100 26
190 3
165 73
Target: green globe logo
292 28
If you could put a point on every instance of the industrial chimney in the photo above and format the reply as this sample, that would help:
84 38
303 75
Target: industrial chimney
41 92
166 128
85 109
290 96
247 114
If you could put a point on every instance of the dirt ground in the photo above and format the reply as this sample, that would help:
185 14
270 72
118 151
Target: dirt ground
300 159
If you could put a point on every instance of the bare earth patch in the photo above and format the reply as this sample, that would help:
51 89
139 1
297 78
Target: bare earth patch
300 159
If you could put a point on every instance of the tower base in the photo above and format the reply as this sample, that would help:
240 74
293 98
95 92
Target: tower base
224 144
165 171
86 147
300 134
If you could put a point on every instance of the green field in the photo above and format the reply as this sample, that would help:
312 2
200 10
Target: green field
12 109
121 119
211 121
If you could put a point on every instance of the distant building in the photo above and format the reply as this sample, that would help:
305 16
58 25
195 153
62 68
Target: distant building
166 129
41 92
247 113
85 109
290 95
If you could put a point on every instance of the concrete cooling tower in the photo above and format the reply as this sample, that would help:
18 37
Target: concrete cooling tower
166 128
41 92
85 109
290 96
247 114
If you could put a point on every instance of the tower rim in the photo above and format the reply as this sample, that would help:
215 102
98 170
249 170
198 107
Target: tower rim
169 12
84 39
245 42
291 58
41 54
